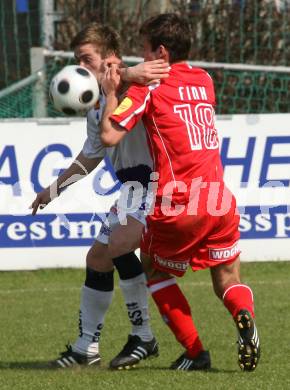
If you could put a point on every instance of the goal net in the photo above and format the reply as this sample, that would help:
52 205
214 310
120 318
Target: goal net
240 88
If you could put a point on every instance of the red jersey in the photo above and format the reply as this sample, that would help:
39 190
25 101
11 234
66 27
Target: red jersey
178 114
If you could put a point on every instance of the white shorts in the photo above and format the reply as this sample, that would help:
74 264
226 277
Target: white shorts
117 216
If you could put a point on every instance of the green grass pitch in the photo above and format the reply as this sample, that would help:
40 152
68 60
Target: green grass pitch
38 316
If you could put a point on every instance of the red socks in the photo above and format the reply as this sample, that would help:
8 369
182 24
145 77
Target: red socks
238 297
176 312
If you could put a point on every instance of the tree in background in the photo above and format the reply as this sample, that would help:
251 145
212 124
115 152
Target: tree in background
245 31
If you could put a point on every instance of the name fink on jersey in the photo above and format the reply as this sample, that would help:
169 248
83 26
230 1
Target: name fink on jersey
192 93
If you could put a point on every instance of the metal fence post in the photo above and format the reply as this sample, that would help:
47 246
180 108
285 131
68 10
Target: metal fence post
37 65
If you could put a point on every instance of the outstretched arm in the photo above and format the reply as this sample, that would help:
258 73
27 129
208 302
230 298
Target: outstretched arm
146 72
80 168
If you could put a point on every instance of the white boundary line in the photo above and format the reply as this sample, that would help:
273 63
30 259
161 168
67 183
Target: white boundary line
75 288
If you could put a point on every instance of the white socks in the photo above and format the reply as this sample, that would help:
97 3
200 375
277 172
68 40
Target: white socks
94 305
136 298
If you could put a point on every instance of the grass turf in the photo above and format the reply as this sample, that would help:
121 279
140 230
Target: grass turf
38 315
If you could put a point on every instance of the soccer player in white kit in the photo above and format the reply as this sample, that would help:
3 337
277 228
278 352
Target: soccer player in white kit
96 47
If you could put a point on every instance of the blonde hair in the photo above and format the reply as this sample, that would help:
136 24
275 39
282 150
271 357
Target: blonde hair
105 39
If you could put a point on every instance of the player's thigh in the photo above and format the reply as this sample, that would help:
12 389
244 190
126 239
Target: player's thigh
98 258
125 238
224 275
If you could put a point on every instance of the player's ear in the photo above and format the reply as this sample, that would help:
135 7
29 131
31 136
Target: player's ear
163 53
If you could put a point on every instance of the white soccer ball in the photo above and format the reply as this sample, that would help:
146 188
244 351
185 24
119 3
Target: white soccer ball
74 90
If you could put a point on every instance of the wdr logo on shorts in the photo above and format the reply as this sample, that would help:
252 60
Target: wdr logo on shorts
223 254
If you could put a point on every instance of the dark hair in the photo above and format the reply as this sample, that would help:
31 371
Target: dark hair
171 31
103 37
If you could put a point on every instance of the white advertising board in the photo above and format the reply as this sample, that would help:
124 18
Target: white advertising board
255 151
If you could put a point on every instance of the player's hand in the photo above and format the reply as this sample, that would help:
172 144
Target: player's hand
42 199
111 80
146 72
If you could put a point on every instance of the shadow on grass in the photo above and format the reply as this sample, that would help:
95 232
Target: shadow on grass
210 371
27 366
49 366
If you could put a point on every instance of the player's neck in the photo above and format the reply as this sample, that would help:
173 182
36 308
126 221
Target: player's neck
178 62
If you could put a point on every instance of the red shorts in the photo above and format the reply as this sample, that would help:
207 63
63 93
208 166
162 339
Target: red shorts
200 241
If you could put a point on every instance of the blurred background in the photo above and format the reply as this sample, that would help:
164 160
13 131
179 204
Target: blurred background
245 45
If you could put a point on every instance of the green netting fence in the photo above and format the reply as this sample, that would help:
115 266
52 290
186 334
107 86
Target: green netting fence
239 89
18 104
244 91
19 31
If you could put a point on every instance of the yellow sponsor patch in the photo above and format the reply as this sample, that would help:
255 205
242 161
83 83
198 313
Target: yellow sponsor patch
124 106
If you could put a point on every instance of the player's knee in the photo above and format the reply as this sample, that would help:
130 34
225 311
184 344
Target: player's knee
98 260
91 261
128 266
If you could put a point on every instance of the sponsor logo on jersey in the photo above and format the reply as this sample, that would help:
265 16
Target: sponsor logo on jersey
223 254
124 106
172 264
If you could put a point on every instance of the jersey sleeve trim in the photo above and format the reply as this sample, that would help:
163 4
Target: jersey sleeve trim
128 122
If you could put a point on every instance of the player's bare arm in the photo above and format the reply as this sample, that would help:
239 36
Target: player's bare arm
111 133
80 168
146 72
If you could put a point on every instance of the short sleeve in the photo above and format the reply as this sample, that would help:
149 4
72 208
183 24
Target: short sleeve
132 107
93 147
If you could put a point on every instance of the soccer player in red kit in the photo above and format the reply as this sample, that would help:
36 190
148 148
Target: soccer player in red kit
193 220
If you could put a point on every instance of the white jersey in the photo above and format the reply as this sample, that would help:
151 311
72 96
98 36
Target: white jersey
130 158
